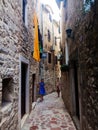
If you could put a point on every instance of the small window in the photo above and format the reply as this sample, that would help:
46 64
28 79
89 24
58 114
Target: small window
59 30
49 57
55 40
49 37
24 11
6 91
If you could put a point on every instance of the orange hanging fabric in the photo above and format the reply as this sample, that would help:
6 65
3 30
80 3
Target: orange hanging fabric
36 53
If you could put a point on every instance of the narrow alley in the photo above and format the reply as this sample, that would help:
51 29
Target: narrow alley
48 46
49 114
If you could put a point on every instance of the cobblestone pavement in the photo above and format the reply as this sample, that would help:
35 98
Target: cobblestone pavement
49 114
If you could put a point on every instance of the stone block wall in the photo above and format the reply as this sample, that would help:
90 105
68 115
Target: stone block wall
89 68
9 68
50 82
85 28
66 95
15 39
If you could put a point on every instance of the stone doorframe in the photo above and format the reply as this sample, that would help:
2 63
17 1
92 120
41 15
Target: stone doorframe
26 61
72 92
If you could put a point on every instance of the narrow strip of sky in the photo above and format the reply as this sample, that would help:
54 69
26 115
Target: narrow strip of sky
54 7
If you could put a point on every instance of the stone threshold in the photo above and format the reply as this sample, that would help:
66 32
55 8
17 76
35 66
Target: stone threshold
24 119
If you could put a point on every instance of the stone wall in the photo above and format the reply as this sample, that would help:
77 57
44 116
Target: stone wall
15 39
89 68
66 95
85 29
46 24
9 31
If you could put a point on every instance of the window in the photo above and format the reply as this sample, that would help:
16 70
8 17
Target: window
59 29
49 37
24 11
49 57
6 91
55 41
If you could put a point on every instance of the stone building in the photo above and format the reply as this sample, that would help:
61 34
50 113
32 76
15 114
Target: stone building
49 29
80 64
57 47
18 70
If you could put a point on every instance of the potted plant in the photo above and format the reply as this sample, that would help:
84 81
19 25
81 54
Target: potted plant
64 67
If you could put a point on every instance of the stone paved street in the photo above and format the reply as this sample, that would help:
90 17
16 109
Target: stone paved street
49 115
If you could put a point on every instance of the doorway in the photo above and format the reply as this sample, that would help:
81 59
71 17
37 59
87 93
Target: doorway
77 112
23 88
33 87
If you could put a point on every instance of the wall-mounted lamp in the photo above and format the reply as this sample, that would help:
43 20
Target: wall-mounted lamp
69 33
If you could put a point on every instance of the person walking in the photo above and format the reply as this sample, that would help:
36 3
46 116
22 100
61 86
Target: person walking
58 87
42 91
